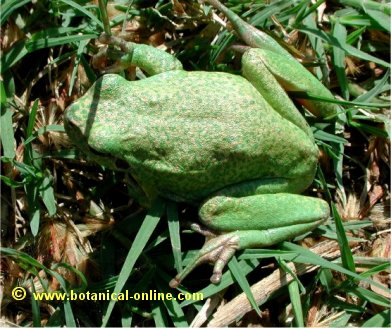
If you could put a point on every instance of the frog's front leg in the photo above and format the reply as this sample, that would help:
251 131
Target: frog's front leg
152 60
253 221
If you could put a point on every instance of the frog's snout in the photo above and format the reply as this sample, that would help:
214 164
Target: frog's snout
78 131
75 122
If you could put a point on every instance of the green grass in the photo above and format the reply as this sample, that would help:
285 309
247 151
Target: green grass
71 225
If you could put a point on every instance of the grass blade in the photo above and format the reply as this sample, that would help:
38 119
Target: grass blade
173 227
31 265
342 321
33 114
172 306
148 226
321 72
306 256
42 130
346 253
35 220
369 4
348 48
159 315
325 136
236 271
46 191
12 56
339 32
375 90
227 279
69 317
51 41
294 295
9 7
6 131
35 307
84 11
368 295
79 54
105 17
311 96
382 19
381 319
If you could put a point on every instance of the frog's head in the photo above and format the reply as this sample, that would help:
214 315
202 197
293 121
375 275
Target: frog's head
90 132
75 127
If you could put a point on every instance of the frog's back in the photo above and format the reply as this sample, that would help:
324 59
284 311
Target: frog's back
190 134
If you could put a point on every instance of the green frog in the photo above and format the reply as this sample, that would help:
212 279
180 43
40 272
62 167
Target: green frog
235 145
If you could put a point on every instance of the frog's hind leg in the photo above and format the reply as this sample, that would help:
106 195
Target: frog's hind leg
218 250
253 221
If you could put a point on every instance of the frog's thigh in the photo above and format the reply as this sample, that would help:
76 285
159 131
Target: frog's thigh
263 220
256 71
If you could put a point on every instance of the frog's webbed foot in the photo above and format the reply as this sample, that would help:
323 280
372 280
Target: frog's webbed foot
218 250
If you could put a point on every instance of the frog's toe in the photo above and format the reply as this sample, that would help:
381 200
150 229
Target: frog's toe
217 250
206 232
224 257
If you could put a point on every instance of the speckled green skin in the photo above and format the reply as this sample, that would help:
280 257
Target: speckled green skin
190 134
235 145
